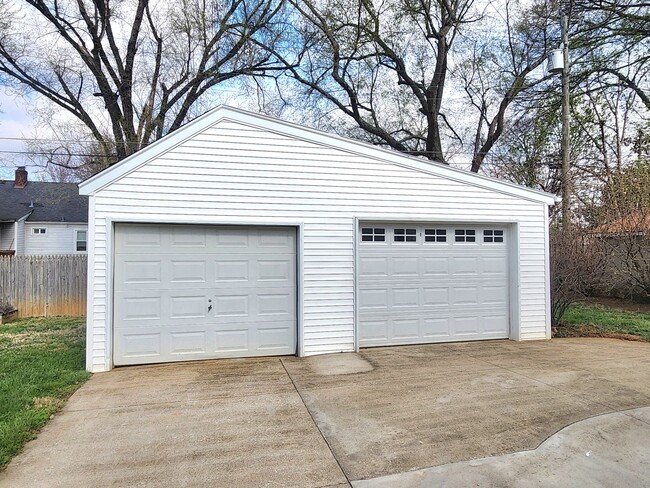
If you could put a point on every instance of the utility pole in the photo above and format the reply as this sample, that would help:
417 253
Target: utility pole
567 183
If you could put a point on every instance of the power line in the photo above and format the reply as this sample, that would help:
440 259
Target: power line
37 153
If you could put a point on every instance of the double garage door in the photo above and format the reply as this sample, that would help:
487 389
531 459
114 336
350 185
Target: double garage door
200 292
186 292
432 283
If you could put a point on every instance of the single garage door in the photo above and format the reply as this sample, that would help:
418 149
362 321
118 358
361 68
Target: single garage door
432 283
199 292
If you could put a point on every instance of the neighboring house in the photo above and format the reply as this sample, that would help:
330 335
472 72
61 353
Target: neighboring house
241 235
626 244
39 218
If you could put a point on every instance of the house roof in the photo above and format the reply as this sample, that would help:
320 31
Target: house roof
133 162
637 222
42 202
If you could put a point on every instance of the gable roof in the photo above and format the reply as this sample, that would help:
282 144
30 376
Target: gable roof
42 201
133 162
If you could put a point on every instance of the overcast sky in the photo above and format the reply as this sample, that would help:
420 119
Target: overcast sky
15 122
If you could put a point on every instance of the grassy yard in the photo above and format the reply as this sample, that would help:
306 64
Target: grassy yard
41 365
597 320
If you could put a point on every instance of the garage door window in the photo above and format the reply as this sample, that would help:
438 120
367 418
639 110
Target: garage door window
493 236
435 235
405 235
373 234
465 235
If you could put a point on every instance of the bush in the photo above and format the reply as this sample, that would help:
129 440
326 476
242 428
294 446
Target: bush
577 269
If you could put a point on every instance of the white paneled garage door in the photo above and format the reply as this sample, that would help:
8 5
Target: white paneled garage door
432 283
198 292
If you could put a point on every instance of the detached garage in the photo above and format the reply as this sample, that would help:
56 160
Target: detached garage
240 235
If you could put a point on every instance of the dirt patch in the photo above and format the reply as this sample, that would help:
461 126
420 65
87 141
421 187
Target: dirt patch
31 337
591 331
48 403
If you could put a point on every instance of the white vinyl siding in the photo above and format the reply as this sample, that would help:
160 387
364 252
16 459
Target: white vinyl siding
20 238
235 173
7 236
59 238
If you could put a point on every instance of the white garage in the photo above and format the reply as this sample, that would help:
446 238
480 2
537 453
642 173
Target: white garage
239 235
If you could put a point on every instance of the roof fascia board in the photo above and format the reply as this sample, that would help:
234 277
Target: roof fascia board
307 134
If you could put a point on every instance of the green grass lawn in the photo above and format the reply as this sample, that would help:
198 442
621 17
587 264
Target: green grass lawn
41 365
598 320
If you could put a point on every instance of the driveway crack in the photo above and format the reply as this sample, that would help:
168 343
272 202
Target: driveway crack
315 423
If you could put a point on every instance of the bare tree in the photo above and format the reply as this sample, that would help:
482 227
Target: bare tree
500 58
398 69
382 64
133 70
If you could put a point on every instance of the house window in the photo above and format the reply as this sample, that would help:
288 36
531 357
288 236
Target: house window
39 230
435 235
492 236
404 235
80 240
465 235
373 234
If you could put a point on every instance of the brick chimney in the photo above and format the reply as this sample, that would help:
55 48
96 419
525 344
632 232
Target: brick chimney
21 177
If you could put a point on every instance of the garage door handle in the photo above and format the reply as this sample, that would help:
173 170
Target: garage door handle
209 306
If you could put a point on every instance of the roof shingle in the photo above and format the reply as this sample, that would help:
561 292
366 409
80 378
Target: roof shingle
47 202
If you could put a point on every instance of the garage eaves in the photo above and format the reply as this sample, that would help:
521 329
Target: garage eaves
198 125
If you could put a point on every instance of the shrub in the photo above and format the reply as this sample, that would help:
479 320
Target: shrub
577 269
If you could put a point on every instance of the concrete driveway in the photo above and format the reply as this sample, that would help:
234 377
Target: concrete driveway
334 420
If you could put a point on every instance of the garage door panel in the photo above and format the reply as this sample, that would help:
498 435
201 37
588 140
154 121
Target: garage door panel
435 296
435 328
372 267
373 299
230 306
183 237
146 343
405 266
140 270
495 324
187 307
464 266
187 342
468 325
138 238
193 297
464 295
139 308
406 329
432 291
232 270
188 271
435 266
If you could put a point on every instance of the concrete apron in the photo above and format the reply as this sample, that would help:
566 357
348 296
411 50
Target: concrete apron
328 420
604 451
212 423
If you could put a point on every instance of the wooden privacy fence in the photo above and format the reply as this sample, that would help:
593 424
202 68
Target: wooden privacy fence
40 286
